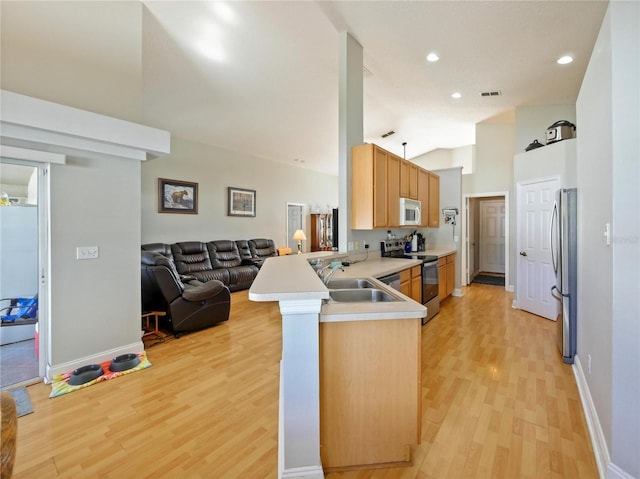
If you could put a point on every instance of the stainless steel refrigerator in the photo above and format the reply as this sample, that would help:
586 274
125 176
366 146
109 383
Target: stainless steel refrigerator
564 243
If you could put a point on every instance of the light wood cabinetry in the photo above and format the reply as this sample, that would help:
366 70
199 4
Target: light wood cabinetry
370 392
405 282
408 180
375 188
416 283
379 179
411 283
423 194
321 231
446 275
433 208
393 190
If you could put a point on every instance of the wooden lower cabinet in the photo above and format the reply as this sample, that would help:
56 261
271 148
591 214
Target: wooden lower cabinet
411 283
446 275
370 393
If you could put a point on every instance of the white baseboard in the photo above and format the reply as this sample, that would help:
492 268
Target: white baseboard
598 442
133 348
511 288
307 472
614 472
457 293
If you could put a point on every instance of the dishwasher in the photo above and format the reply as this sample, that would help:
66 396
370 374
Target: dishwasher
392 280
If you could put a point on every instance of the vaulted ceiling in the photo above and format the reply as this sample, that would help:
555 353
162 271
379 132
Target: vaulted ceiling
261 77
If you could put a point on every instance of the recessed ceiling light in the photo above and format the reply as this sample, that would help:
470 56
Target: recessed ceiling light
564 60
433 57
457 95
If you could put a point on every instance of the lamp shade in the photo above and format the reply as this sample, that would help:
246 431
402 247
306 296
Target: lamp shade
299 235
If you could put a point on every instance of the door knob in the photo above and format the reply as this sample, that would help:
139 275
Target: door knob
523 253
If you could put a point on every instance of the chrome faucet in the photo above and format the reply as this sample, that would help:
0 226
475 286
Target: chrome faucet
334 267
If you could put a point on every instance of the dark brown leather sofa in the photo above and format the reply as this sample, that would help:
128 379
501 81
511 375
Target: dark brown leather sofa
234 263
188 303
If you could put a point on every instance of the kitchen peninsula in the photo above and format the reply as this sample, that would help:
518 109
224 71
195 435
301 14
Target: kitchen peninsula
349 375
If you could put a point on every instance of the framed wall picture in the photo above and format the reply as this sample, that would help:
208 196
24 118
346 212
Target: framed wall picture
176 196
241 202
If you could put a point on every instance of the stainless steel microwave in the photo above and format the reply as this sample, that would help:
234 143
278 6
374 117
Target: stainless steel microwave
410 212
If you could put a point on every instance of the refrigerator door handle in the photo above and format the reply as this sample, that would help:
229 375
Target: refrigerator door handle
554 218
559 294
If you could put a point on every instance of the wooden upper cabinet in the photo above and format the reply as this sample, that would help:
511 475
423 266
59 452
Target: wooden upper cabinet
434 201
380 197
423 194
379 179
408 179
393 190
369 192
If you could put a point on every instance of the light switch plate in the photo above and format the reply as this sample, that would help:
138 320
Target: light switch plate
87 252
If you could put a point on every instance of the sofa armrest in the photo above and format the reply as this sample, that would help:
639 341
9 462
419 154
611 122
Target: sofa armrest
252 262
203 291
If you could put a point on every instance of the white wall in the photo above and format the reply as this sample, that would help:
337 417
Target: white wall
18 252
608 186
442 159
36 62
494 173
532 122
215 169
95 304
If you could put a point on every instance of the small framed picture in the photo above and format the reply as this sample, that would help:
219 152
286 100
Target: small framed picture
241 202
176 196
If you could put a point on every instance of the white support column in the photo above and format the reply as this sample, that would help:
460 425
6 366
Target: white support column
350 125
299 421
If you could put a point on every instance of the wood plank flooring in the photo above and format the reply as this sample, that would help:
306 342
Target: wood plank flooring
497 403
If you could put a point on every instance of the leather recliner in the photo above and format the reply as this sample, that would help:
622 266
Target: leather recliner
190 304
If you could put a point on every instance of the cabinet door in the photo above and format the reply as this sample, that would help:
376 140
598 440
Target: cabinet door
423 194
393 190
404 179
380 201
442 278
416 283
451 273
434 200
405 282
413 181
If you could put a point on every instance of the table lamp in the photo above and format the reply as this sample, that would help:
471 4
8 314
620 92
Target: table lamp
299 236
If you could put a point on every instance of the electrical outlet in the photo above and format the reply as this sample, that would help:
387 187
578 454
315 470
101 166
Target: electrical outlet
350 246
357 243
87 252
366 245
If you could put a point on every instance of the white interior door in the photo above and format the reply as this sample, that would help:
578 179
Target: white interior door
535 271
492 234
295 221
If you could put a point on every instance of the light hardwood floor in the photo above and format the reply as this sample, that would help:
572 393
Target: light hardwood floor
497 403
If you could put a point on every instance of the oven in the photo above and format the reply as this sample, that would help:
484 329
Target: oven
430 298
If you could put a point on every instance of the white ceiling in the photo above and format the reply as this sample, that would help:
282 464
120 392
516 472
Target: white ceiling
268 84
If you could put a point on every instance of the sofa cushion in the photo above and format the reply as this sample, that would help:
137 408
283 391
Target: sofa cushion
224 254
244 250
160 248
192 258
262 248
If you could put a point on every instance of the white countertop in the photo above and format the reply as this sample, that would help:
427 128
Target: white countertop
291 278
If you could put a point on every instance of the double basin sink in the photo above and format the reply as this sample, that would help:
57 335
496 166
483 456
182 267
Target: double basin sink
358 290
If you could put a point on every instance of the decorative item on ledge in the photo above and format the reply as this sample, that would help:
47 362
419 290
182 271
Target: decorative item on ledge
177 196
241 202
299 236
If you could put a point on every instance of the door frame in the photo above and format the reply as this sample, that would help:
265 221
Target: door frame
465 236
44 259
288 241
